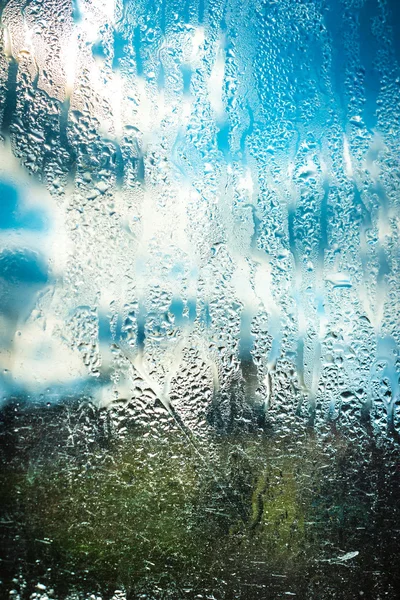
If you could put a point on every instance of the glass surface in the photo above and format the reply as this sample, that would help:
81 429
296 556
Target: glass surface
199 299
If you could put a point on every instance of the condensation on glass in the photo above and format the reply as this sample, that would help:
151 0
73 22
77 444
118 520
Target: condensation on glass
199 246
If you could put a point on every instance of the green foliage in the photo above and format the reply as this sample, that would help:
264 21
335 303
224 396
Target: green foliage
157 510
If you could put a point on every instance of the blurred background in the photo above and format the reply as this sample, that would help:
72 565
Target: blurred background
199 234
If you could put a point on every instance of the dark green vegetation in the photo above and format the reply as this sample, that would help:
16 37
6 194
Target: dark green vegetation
93 502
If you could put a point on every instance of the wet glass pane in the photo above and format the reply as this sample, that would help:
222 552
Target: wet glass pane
199 299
